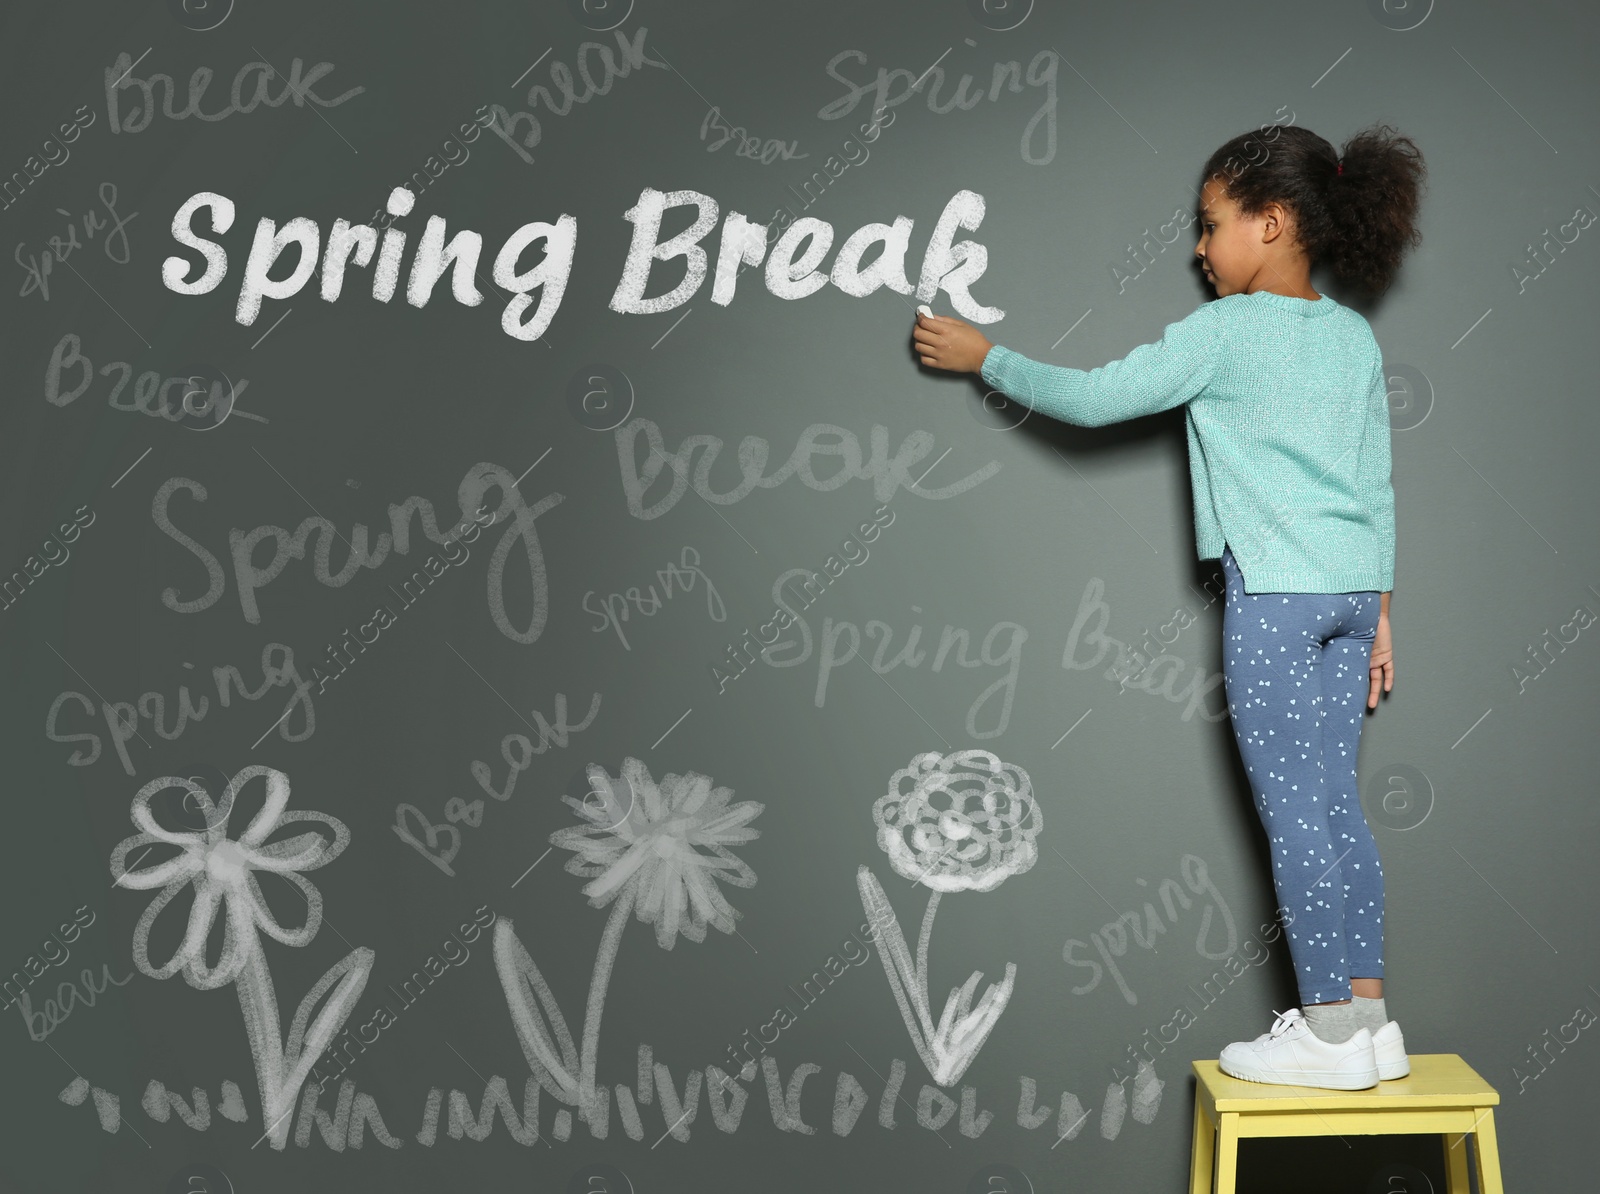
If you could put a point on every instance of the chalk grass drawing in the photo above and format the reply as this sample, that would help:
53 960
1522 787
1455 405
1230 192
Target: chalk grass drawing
657 851
221 870
958 822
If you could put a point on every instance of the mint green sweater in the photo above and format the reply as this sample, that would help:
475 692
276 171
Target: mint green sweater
1288 421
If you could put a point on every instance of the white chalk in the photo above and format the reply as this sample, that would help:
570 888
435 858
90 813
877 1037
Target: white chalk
924 309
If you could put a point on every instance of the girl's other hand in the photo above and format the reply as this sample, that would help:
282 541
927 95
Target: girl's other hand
946 342
1382 661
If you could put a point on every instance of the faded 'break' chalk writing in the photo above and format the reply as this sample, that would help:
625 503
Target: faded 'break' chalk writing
120 78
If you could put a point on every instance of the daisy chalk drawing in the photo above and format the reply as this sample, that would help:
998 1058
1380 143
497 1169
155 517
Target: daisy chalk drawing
957 822
221 870
638 848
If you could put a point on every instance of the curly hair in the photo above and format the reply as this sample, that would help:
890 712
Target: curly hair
1356 210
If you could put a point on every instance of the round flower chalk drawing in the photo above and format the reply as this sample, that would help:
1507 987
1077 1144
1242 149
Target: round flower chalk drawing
965 821
222 872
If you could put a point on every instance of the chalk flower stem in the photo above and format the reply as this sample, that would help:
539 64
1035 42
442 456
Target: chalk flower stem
221 871
965 821
950 1046
657 851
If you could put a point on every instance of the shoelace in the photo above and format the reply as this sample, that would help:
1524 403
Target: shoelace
1286 1020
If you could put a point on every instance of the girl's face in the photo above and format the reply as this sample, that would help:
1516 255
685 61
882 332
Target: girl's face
1225 242
1240 255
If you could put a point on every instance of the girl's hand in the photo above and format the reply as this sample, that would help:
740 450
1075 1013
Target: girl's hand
1382 661
946 342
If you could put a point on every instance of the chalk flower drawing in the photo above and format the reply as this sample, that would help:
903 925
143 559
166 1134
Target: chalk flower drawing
658 851
959 822
221 871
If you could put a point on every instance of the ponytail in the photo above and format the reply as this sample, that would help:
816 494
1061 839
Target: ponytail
1356 210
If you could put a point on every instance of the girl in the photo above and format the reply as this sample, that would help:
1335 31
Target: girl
1288 426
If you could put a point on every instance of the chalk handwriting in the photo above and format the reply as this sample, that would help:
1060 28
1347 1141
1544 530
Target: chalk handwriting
508 125
120 78
1041 72
122 717
749 147
250 578
853 151
36 272
56 1010
887 474
356 244
1254 951
153 394
1091 606
851 553
791 273
832 655
613 609
458 811
1111 940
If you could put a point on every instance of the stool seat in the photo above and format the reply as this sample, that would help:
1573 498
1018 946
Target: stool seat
1442 1094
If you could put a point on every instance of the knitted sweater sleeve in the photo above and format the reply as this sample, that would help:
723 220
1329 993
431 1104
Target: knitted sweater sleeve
1380 487
1153 377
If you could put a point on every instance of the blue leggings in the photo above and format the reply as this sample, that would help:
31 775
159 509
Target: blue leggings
1295 669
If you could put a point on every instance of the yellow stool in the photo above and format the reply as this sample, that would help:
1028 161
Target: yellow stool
1441 1094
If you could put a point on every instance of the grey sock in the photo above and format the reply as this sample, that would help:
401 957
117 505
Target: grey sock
1335 1023
1370 1013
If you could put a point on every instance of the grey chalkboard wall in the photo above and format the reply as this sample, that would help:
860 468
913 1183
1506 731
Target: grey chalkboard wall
479 589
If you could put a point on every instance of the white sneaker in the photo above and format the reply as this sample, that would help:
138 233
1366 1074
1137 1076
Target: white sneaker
1292 1055
1390 1049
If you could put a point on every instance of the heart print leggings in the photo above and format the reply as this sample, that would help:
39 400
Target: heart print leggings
1295 670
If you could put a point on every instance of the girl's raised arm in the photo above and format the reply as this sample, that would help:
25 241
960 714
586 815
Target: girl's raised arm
1151 378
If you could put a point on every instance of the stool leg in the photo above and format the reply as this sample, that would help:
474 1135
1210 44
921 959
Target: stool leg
1486 1149
1228 1152
1455 1164
1205 1151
